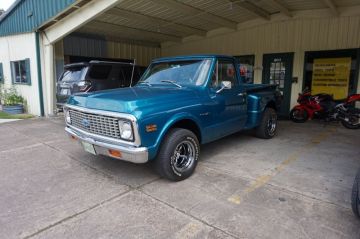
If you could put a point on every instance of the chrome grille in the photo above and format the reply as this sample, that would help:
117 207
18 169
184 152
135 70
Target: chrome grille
95 124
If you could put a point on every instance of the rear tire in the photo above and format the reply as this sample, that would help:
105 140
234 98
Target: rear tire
178 155
355 197
299 117
268 124
353 122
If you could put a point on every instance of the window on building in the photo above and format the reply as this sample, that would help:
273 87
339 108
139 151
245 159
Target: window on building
1 73
224 71
20 72
246 65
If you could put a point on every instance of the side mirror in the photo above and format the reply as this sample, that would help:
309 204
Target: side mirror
224 85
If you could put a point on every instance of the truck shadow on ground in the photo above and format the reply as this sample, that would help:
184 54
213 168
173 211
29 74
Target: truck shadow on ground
138 174
143 172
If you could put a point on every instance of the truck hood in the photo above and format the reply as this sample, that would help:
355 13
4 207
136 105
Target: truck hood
142 99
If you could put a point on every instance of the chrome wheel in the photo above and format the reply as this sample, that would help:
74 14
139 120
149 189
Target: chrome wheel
354 120
358 202
178 155
183 157
299 115
355 195
271 125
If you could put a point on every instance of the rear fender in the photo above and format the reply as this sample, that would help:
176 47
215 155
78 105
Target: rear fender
299 107
353 98
256 105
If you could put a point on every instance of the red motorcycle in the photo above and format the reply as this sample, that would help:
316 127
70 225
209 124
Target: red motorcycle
323 106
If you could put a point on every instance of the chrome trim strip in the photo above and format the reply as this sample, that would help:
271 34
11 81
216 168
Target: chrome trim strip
131 118
101 138
102 112
130 154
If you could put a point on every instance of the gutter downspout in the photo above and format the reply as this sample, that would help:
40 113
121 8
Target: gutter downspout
38 63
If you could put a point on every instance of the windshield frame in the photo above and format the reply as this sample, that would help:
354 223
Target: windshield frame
204 83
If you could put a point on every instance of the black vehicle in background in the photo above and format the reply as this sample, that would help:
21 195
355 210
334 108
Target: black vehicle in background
355 196
94 76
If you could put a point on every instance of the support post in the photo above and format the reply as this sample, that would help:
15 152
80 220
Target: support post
49 79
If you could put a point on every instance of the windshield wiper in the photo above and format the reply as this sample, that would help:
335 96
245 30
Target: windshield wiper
145 82
172 82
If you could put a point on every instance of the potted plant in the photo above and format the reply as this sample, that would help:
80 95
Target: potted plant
12 102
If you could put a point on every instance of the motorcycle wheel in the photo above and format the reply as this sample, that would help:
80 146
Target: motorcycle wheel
355 200
298 116
353 121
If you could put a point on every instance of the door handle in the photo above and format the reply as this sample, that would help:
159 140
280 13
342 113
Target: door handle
242 94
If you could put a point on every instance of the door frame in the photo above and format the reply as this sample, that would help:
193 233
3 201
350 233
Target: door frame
290 56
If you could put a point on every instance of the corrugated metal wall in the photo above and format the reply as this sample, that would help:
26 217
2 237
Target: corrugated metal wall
80 46
287 36
142 54
30 14
298 35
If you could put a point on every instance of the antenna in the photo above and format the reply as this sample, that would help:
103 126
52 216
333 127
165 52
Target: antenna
132 74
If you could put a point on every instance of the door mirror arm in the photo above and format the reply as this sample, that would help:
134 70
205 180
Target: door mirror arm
224 85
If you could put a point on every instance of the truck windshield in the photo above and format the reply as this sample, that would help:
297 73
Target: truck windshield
182 73
74 74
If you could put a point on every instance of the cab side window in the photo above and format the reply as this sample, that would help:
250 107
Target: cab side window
224 71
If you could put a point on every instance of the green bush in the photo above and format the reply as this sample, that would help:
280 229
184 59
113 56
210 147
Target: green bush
11 97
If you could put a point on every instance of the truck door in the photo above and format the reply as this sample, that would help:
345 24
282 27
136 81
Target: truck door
229 105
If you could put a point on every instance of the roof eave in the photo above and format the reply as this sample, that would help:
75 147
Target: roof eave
10 9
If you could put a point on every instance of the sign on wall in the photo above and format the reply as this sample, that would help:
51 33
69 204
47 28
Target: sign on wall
331 76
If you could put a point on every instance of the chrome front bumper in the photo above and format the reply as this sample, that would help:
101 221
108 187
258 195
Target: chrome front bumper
128 153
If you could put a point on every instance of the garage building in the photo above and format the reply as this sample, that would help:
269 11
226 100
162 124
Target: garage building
292 43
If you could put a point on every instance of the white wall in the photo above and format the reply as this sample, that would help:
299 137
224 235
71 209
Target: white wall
15 48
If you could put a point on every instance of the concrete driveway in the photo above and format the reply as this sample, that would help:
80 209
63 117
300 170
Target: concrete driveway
296 185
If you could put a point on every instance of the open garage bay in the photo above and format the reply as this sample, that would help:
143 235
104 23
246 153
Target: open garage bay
296 185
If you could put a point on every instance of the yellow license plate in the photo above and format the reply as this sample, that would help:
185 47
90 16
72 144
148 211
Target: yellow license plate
88 147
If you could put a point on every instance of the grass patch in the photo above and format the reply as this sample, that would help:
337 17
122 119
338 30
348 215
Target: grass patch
4 115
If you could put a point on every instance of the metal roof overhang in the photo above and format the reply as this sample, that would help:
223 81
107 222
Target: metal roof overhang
158 21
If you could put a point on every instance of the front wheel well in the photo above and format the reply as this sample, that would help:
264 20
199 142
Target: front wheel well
189 125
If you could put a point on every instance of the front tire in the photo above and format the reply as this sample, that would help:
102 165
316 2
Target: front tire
178 155
299 116
268 124
355 197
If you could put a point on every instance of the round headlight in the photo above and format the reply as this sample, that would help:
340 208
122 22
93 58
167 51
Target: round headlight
67 117
125 130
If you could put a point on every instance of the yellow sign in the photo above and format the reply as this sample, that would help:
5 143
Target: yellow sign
331 76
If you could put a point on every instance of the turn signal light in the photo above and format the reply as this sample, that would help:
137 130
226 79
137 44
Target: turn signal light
151 128
115 153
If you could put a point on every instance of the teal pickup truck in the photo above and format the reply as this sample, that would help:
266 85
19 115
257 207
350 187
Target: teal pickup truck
178 104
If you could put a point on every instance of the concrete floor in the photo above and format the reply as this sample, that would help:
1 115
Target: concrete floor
296 185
